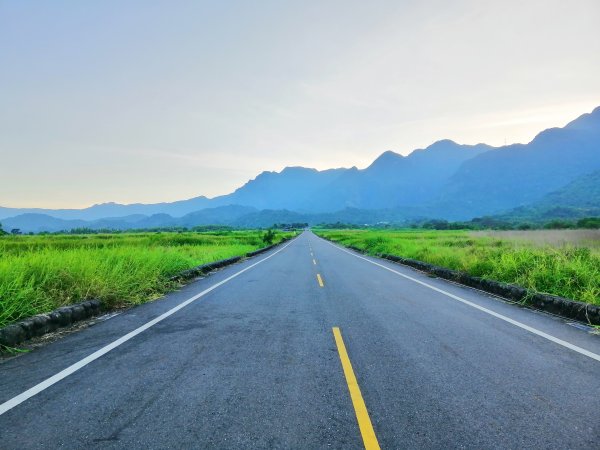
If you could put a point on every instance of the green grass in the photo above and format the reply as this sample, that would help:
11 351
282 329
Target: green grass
41 273
569 270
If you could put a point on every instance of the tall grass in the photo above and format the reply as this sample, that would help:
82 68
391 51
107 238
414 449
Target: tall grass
568 270
41 273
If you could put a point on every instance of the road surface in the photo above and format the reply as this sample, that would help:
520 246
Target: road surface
310 346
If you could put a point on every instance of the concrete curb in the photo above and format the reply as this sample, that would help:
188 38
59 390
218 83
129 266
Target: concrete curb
204 268
565 307
41 324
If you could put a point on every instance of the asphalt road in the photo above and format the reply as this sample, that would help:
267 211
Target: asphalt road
254 363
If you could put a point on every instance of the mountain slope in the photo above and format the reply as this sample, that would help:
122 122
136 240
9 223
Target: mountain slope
583 192
222 215
293 188
520 174
578 199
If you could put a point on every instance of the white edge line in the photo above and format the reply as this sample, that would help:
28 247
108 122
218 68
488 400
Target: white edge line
17 400
535 331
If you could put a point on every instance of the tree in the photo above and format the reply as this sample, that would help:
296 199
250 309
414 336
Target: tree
15 231
268 237
589 222
558 225
2 232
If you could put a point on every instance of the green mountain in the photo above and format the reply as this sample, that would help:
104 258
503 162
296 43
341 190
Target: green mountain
583 192
580 198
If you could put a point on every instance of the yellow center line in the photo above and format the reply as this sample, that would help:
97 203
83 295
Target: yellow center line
320 280
362 415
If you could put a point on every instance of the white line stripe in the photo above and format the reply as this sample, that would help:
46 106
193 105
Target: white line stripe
481 308
10 404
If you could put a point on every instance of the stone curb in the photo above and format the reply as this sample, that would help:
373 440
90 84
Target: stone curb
266 249
205 268
41 324
554 304
260 250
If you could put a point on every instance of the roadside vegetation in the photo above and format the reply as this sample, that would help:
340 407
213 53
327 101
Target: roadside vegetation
479 223
41 273
564 263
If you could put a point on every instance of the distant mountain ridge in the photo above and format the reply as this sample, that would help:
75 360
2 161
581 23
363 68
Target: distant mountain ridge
308 190
233 215
520 174
394 181
444 180
177 209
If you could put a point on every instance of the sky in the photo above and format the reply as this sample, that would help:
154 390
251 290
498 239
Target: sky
150 101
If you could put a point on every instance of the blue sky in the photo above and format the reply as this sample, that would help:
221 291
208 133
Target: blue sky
154 101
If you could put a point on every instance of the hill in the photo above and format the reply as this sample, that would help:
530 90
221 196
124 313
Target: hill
578 199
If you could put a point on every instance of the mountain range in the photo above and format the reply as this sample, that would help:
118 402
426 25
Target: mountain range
559 168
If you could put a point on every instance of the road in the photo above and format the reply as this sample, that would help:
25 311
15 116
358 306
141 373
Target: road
310 346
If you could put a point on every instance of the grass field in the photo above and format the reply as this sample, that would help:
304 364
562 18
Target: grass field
554 262
40 273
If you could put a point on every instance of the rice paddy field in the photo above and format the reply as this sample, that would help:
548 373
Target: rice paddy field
41 273
559 262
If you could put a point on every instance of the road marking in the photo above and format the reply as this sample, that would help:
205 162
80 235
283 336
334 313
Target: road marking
10 404
362 415
314 262
320 280
516 323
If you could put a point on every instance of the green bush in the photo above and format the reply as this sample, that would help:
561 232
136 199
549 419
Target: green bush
568 271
